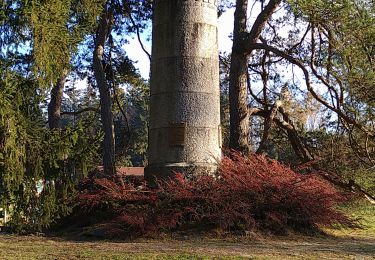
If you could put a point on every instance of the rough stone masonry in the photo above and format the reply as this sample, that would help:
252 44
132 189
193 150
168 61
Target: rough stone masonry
184 131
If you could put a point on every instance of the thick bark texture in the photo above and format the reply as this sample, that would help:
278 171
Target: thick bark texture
54 106
102 34
239 116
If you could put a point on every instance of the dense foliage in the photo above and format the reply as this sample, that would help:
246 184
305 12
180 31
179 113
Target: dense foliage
39 168
43 43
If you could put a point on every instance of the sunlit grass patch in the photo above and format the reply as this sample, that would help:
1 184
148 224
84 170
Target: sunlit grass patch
362 210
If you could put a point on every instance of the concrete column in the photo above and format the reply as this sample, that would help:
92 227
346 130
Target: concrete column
185 133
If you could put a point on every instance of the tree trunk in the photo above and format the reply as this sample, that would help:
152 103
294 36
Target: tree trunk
54 106
102 34
268 120
239 116
298 146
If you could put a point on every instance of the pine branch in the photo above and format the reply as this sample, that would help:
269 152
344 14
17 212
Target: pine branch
298 63
86 109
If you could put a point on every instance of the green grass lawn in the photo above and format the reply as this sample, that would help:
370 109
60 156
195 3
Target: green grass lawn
365 213
341 244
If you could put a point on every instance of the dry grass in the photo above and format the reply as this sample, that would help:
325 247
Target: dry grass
32 247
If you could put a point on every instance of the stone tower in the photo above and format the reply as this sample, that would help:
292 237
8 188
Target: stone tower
184 131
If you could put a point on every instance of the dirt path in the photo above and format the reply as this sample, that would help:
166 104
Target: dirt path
31 247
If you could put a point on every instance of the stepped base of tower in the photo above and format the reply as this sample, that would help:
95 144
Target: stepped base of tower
165 171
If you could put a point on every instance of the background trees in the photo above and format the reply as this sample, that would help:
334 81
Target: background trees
46 46
299 73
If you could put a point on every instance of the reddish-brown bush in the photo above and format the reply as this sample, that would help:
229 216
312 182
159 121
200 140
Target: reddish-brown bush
247 193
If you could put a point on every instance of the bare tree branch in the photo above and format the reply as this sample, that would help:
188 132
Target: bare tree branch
291 59
138 35
86 109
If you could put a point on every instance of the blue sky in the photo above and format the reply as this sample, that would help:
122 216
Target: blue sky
135 52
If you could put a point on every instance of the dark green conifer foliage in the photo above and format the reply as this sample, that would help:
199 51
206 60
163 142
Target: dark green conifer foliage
38 168
349 27
58 26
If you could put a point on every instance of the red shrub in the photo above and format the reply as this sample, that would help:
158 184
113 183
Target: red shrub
247 193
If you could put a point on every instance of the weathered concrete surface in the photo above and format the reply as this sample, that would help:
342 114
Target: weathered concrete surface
184 88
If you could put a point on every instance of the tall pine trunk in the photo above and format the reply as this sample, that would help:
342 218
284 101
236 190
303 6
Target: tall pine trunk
103 31
239 116
238 91
54 106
